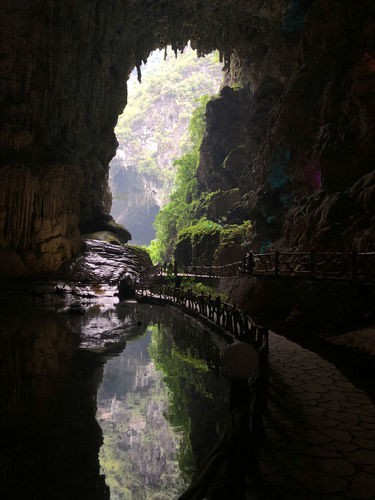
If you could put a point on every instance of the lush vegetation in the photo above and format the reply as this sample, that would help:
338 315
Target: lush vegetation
183 220
198 288
153 131
185 200
159 155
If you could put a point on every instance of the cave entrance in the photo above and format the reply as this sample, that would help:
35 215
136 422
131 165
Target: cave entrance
153 132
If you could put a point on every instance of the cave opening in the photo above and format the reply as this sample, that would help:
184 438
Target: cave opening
153 132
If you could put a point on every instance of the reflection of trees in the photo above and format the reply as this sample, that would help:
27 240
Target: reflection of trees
139 452
198 398
161 351
162 375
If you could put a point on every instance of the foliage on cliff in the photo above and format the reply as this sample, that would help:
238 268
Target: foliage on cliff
184 221
179 213
153 132
209 243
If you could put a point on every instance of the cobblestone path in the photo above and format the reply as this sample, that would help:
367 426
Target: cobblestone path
319 438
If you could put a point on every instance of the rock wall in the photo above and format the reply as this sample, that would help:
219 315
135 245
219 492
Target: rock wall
138 200
39 217
302 306
60 95
319 141
306 139
63 71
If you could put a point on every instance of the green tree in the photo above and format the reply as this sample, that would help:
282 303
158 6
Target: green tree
178 213
153 131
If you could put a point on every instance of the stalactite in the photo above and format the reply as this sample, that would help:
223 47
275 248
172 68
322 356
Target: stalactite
139 73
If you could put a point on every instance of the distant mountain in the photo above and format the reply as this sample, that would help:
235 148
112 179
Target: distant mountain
153 132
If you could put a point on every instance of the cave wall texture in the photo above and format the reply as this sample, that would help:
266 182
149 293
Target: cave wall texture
302 151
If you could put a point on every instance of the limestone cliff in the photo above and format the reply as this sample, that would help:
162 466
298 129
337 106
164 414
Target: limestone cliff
63 71
153 132
317 159
301 148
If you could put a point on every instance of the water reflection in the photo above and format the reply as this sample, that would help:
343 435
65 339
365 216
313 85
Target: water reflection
49 436
160 404
160 407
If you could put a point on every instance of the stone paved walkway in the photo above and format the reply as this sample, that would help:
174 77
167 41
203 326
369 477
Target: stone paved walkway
319 431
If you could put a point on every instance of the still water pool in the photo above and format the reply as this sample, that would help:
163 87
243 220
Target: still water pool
121 402
160 405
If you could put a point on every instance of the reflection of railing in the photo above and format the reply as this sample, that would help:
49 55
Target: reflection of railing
226 316
230 320
317 265
245 422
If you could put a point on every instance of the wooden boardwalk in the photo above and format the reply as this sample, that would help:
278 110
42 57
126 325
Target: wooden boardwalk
350 266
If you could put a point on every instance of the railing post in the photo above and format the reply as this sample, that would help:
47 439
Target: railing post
218 309
201 303
277 263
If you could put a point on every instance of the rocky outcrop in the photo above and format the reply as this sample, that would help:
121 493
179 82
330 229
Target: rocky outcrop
305 134
60 97
223 153
220 205
343 219
318 140
236 126
39 217
101 262
306 73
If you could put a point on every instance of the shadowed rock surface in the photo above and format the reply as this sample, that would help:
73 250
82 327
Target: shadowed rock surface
295 133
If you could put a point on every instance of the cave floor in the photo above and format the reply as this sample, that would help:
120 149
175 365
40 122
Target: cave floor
319 430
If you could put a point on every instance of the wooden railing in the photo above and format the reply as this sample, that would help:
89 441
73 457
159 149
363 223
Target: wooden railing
225 316
245 419
314 265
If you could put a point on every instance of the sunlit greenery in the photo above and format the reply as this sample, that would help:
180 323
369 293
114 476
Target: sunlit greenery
197 288
140 455
197 231
152 131
180 212
150 123
231 234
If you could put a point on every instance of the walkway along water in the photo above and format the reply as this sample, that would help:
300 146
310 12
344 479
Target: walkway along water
313 265
234 461
319 439
318 434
